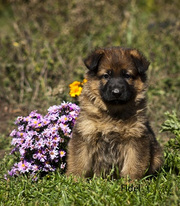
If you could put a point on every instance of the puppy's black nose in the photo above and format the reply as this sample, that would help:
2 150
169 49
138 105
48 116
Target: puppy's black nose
116 92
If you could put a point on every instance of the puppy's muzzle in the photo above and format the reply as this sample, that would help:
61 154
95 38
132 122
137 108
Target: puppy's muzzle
117 91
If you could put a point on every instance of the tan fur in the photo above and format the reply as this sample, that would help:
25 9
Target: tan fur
118 136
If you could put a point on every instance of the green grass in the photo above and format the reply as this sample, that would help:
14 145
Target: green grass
42 45
57 189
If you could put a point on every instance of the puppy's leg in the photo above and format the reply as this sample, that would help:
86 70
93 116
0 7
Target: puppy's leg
156 154
133 167
156 159
78 162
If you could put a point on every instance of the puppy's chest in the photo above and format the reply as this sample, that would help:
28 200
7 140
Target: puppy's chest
106 149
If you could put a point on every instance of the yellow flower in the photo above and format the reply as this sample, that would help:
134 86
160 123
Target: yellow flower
75 84
75 91
76 88
84 81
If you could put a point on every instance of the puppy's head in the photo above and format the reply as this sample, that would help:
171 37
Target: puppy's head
121 73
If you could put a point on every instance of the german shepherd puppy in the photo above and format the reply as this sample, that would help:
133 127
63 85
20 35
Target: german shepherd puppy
112 130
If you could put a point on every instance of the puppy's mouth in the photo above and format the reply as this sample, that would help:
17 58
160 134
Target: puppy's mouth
117 101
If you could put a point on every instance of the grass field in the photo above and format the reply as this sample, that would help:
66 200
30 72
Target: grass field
42 45
58 190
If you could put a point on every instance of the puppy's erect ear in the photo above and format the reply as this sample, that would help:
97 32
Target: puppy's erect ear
92 61
141 63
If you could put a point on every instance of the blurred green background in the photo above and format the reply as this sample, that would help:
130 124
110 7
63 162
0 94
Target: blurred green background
43 43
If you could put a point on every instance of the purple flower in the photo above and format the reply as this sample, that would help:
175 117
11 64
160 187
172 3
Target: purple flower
40 144
21 128
53 154
35 156
24 166
62 153
63 119
53 109
13 133
41 141
34 167
18 120
13 171
28 143
66 130
63 165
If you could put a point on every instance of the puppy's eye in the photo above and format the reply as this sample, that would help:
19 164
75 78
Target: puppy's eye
106 76
127 76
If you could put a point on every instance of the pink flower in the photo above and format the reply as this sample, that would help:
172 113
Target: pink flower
24 166
53 154
62 153
63 165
